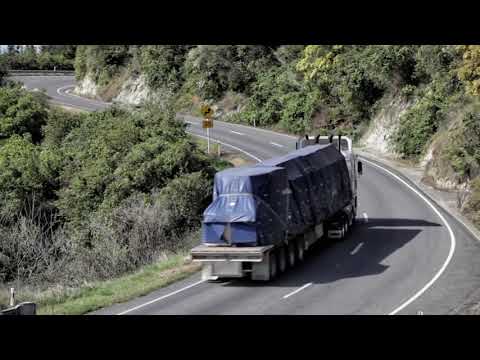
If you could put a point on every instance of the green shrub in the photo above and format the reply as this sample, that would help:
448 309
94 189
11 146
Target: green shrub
21 179
21 112
163 65
58 125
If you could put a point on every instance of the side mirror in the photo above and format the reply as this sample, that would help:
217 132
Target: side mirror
360 168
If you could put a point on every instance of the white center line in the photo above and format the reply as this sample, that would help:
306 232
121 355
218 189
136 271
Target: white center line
354 251
365 216
162 297
236 132
275 144
298 290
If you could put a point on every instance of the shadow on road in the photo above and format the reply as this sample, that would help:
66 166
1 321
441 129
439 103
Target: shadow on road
360 254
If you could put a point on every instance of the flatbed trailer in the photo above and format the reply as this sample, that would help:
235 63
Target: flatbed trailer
264 263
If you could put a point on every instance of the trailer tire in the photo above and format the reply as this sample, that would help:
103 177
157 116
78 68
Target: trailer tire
291 254
282 260
273 265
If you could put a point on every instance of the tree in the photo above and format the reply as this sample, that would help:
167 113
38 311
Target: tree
215 69
163 65
20 179
469 70
11 50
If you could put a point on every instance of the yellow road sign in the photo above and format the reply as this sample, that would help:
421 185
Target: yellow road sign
207 124
207 111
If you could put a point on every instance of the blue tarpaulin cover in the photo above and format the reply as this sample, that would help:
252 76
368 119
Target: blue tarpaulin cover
261 204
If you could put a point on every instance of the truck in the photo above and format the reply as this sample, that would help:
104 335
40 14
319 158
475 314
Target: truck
264 218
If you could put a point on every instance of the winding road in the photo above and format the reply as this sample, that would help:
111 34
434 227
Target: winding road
405 256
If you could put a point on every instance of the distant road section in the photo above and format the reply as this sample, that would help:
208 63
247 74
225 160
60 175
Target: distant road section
58 88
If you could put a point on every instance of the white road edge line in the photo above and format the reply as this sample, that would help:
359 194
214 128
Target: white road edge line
251 128
162 297
236 132
354 251
275 144
298 290
452 241
202 281
233 147
61 91
365 216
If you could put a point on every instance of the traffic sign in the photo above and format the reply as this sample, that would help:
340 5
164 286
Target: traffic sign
206 111
207 124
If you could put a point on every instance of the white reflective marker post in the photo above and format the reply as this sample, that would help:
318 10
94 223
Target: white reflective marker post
12 297
208 140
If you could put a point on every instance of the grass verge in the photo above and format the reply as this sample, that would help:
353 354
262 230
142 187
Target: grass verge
100 294
106 293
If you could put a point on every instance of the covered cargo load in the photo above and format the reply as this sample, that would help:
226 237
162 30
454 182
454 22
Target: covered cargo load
319 181
249 207
262 204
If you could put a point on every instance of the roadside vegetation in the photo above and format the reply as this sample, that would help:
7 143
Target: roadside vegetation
318 89
90 197
47 57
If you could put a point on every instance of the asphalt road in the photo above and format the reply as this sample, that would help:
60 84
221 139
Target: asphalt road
405 255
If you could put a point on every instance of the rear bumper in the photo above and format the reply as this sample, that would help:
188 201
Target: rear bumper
203 253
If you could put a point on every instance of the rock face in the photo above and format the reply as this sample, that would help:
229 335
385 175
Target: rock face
134 91
383 125
127 90
87 87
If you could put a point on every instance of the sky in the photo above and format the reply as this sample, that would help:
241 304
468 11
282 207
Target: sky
3 48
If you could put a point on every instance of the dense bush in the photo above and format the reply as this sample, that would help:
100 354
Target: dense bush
425 117
163 65
463 148
60 57
469 70
21 179
22 112
96 194
214 69
103 62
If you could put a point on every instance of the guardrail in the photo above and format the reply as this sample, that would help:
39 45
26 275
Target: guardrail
25 308
40 73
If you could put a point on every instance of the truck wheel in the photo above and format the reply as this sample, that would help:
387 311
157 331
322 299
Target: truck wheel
291 254
273 265
282 259
300 249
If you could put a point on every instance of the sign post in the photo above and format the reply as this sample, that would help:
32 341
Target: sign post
207 112
208 140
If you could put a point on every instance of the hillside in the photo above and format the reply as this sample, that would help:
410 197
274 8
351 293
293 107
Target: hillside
419 103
